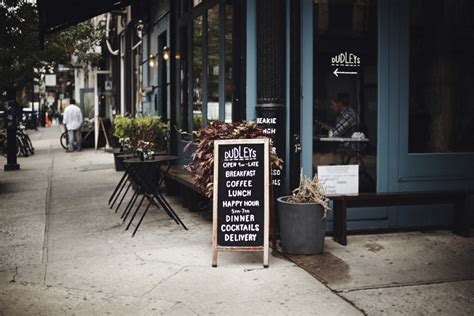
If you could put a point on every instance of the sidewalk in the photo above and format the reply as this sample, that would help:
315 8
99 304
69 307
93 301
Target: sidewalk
62 251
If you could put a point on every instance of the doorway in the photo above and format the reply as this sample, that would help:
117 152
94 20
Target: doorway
345 54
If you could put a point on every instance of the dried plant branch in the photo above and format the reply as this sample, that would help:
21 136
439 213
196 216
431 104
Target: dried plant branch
310 191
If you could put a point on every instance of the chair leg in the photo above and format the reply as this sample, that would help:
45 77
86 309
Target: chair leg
344 223
117 187
170 209
135 213
163 207
130 204
340 222
140 222
120 191
336 221
123 196
138 207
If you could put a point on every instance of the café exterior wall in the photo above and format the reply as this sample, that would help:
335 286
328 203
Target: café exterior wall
396 170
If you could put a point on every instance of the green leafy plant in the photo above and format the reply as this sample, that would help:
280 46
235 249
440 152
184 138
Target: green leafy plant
123 127
202 164
153 130
144 129
310 190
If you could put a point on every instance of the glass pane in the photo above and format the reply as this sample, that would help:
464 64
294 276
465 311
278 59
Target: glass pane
441 117
345 86
182 57
213 63
228 63
197 69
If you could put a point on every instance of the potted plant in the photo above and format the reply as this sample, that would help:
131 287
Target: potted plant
137 135
123 130
202 159
302 218
151 130
145 150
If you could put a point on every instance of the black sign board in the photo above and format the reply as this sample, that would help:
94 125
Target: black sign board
241 196
272 118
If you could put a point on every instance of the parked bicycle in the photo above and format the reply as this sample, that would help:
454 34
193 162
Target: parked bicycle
87 128
24 146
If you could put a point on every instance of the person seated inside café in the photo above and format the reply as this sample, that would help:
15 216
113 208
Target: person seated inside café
346 121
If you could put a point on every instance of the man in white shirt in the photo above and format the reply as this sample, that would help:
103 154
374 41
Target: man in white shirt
72 120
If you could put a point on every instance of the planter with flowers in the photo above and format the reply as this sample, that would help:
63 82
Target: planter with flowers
141 136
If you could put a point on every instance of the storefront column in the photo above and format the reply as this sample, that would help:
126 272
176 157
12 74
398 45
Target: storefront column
307 86
271 74
251 70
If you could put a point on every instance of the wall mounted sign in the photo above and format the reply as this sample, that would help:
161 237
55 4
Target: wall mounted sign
241 196
343 60
272 119
341 179
50 80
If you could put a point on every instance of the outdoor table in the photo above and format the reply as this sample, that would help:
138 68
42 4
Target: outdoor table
356 143
147 176
342 139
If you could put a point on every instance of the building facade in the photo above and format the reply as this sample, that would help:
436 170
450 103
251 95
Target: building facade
403 67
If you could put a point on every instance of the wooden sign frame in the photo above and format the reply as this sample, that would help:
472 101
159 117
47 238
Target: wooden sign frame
266 183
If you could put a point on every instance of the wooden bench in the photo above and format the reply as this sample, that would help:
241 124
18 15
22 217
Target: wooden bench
179 182
343 202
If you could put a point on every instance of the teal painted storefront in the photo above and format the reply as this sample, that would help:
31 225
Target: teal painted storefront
397 169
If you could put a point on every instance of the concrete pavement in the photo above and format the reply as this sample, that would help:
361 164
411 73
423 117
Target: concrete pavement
62 251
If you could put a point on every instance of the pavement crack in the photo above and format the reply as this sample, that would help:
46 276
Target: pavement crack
13 280
44 258
164 280
402 285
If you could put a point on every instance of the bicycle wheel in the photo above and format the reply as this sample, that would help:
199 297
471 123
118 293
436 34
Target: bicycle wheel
29 144
3 148
21 149
64 140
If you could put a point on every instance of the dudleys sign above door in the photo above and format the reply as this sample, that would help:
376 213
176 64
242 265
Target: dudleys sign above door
345 64
241 196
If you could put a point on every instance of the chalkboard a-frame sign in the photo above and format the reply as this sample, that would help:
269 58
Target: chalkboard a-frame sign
241 196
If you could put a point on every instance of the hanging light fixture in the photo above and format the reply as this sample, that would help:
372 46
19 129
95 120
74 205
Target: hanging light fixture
166 53
152 61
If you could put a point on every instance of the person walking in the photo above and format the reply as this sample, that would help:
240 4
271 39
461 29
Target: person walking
72 120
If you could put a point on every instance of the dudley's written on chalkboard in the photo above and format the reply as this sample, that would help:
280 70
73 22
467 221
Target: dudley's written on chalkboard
241 196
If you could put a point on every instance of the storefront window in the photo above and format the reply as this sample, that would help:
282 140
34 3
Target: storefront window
345 86
228 63
441 117
183 77
211 26
197 73
213 63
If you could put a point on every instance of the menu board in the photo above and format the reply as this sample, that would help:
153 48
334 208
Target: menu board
272 119
241 195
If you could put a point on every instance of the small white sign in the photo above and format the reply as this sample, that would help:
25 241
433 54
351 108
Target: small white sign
340 179
50 80
108 85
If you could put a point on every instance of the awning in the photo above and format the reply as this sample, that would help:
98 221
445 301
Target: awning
55 15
